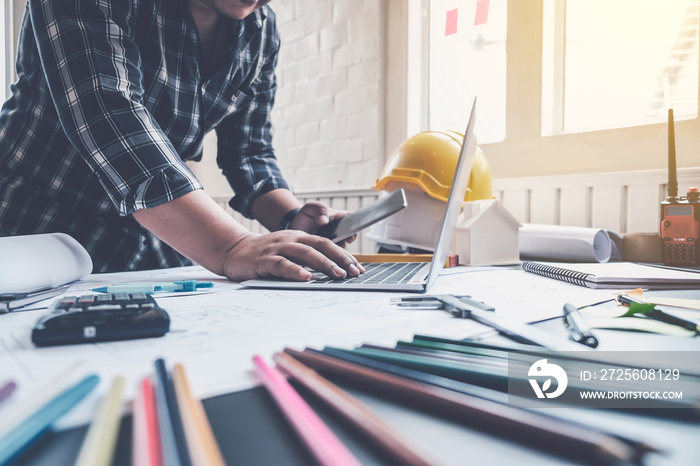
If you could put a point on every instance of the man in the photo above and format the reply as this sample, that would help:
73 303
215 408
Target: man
112 97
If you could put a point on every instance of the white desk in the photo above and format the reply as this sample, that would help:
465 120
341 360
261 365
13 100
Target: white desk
216 334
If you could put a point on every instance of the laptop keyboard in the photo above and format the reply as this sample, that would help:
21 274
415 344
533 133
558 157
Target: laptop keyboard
377 273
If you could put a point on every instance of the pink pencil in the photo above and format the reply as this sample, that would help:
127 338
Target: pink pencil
319 439
146 437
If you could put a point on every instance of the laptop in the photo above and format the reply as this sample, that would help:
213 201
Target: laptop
400 276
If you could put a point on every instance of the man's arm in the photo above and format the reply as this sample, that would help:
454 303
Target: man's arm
198 228
269 208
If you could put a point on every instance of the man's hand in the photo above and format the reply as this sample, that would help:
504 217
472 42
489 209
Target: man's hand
283 253
316 214
200 229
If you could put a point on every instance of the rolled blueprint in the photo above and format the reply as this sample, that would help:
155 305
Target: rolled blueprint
35 262
564 243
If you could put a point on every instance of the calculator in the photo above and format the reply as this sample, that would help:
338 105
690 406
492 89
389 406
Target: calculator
100 317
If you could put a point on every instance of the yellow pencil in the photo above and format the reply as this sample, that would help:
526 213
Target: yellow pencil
101 438
204 451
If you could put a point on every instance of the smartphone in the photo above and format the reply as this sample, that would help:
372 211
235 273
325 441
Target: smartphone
344 227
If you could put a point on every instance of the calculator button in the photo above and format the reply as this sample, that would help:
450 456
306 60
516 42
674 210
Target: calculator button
104 307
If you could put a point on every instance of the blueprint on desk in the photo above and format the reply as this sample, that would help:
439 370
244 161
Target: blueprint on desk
216 333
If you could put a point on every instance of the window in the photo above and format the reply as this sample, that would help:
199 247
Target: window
610 64
564 86
467 57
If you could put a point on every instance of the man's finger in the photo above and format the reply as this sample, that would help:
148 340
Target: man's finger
335 253
279 266
307 255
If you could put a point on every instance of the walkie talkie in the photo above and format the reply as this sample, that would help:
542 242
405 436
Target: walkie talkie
680 216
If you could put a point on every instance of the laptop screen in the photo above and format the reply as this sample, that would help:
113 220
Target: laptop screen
454 201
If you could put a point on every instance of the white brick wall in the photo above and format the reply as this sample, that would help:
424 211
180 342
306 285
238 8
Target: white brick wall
330 103
329 115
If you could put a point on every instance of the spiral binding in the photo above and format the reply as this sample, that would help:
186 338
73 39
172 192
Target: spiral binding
558 273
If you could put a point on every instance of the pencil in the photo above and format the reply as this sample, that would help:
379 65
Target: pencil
146 449
20 412
41 419
203 448
472 390
358 414
98 446
524 426
326 448
465 360
172 434
494 376
7 390
473 346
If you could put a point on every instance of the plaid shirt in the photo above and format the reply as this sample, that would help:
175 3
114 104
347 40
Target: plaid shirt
110 101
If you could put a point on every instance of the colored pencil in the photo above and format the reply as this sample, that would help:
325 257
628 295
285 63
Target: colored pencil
203 448
326 448
524 426
589 357
465 370
40 420
7 390
146 449
101 438
357 413
18 413
172 434
472 369
471 390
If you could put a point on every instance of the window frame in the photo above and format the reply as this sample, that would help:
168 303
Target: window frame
621 149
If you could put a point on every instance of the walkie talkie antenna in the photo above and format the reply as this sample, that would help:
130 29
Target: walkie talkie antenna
672 176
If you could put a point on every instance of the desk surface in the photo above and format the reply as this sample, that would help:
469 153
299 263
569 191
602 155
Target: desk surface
251 430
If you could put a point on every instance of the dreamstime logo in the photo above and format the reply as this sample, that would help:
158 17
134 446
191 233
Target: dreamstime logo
542 369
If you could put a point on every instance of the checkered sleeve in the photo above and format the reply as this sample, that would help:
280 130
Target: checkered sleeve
245 154
92 69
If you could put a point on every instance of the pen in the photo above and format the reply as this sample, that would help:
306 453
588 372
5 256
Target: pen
150 288
649 310
579 331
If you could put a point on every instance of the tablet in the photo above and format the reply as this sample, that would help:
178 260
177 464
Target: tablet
344 227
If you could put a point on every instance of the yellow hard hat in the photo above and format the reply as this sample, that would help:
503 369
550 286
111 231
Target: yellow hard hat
429 159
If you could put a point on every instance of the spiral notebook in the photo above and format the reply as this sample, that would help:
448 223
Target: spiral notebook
616 275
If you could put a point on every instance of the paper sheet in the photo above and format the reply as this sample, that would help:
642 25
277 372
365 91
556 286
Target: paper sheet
216 334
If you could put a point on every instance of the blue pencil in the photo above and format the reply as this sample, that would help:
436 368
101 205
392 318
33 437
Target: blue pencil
172 433
18 439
